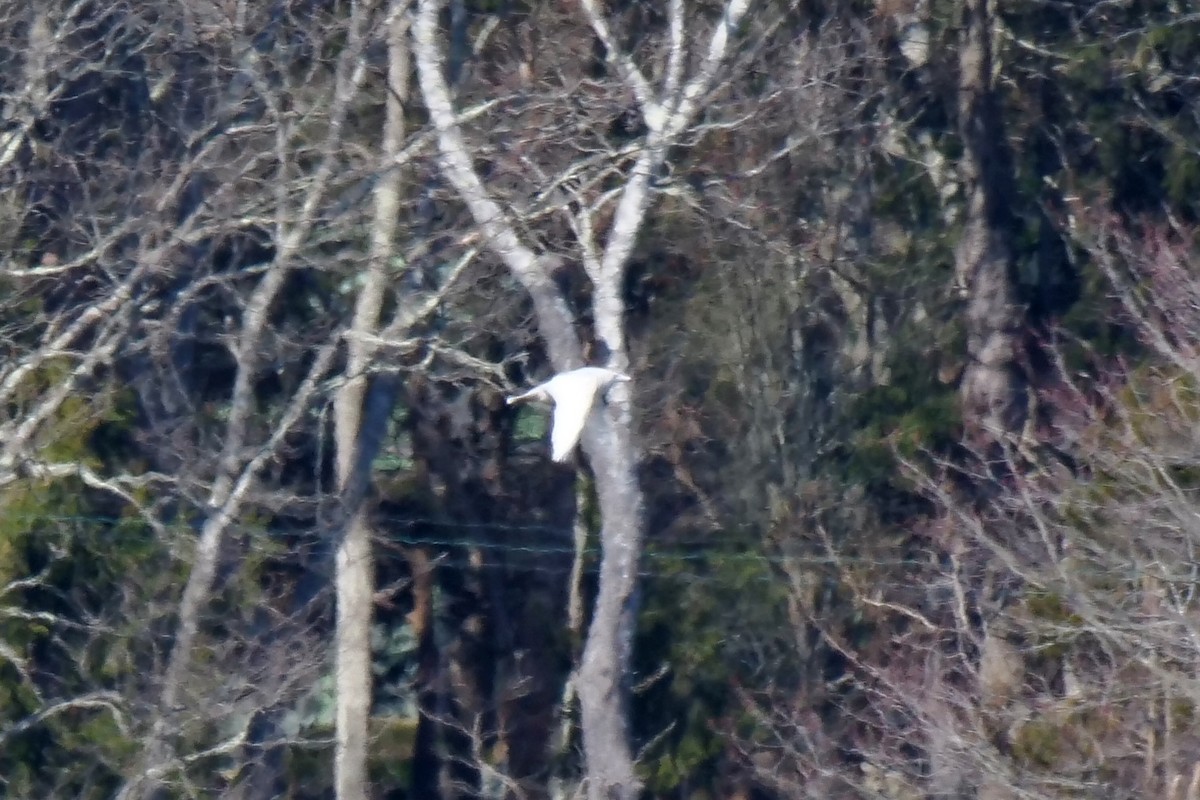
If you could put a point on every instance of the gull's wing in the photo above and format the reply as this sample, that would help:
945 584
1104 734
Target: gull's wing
537 393
570 415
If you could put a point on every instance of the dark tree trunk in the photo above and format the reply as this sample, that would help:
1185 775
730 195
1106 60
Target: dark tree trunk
993 386
993 390
426 764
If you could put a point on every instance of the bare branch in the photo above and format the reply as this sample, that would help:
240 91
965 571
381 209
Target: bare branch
499 233
685 108
106 701
652 111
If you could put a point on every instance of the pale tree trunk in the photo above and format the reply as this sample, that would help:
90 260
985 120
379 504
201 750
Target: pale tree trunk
993 383
993 390
609 441
34 89
237 476
355 576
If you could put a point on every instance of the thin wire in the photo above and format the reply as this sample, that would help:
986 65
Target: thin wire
563 570
709 554
712 553
696 550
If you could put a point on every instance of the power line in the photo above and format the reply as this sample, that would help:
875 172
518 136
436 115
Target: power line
694 562
684 551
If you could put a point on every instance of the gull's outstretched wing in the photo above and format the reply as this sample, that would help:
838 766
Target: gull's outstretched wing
536 393
570 414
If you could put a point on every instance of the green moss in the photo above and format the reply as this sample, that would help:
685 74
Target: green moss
900 418
389 759
1050 607
1038 744
1182 175
1182 711
393 742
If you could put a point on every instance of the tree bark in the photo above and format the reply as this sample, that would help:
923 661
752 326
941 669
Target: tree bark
355 575
993 386
609 439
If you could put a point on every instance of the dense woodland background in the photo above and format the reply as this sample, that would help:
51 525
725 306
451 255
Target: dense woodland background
914 323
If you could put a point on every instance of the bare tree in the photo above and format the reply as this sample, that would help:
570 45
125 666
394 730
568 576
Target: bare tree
237 474
202 246
667 107
1042 645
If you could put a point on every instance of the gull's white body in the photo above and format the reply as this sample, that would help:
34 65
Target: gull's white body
573 394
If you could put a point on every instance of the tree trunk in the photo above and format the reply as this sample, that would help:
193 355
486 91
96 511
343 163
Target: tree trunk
355 575
609 441
426 766
604 674
237 475
993 386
